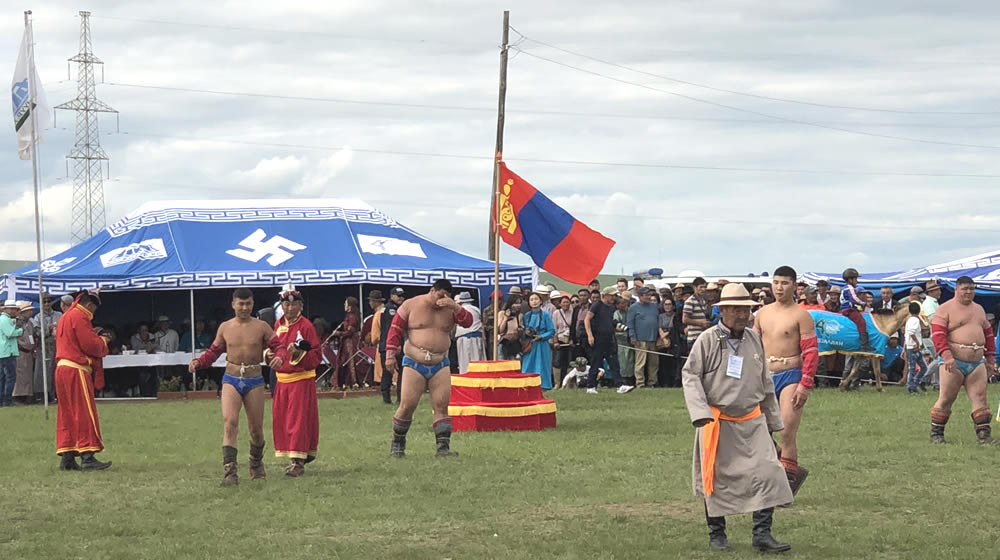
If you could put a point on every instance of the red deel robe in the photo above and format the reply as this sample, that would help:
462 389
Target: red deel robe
79 351
294 410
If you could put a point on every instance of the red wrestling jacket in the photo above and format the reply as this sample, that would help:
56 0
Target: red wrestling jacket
305 367
77 342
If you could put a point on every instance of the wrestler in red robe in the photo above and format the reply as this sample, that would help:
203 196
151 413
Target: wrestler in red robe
295 413
79 352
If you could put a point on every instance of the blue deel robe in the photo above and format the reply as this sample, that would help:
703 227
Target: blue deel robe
539 360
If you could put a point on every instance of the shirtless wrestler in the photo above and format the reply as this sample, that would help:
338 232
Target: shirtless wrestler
963 339
425 322
245 340
789 337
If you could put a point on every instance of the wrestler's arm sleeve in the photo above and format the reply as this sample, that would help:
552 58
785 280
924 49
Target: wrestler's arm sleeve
691 380
463 317
809 347
939 336
277 348
991 343
397 330
209 356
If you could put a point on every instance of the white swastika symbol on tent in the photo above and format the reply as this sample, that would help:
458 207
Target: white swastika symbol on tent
259 248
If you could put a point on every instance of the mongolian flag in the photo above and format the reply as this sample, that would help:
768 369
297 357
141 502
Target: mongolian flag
556 241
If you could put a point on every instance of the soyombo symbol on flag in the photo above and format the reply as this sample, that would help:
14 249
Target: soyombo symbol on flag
555 240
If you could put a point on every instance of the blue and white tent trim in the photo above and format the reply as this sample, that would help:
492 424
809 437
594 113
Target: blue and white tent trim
984 269
203 244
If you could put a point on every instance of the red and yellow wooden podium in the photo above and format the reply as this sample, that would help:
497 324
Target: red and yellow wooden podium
496 396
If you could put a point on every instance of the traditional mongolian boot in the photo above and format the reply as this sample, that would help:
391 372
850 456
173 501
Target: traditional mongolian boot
939 417
399 428
982 418
296 469
763 541
309 459
717 532
257 462
442 434
796 474
230 476
67 462
90 463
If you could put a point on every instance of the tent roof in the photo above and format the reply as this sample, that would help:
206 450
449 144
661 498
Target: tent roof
227 243
983 268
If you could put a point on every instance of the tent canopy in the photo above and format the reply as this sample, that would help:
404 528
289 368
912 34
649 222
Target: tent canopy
203 244
984 269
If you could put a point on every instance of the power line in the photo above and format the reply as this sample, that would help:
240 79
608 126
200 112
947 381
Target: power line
573 162
242 190
754 95
534 111
760 113
390 39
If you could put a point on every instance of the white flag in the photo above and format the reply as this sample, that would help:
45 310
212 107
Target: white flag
22 100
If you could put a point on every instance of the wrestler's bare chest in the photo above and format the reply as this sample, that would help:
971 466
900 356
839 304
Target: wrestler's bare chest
430 316
244 341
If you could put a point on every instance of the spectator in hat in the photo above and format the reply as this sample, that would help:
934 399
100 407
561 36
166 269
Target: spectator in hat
833 302
931 302
44 324
643 320
544 292
811 302
166 338
578 375
600 328
892 361
469 340
26 354
10 330
678 291
822 291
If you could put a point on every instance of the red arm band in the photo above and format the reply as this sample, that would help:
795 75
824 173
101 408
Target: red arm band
991 343
810 361
208 358
463 318
396 333
939 336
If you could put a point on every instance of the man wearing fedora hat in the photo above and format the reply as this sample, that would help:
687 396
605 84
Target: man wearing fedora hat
731 401
376 301
26 350
10 330
79 353
789 337
469 340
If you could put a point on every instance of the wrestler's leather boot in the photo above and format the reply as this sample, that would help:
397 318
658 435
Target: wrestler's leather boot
763 541
796 479
90 463
296 469
257 462
984 433
230 469
67 462
717 539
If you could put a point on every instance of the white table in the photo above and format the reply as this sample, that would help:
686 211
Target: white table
157 359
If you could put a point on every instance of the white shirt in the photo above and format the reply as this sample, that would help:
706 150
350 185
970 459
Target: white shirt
167 341
477 321
912 331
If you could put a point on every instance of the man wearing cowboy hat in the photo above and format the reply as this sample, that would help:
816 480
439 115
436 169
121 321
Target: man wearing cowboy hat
544 291
26 349
789 337
9 331
79 352
294 409
731 401
469 340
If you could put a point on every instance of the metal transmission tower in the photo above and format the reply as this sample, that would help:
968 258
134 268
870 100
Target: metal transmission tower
87 154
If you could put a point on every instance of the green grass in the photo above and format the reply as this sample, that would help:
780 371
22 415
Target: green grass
612 481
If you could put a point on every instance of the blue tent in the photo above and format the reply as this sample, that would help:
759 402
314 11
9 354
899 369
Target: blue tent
191 245
984 269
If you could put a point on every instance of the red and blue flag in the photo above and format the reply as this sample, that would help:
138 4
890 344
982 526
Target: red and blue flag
556 241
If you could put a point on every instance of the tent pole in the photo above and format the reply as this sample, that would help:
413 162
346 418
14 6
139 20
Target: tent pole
194 344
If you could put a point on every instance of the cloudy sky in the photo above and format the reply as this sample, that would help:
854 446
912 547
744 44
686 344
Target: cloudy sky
830 134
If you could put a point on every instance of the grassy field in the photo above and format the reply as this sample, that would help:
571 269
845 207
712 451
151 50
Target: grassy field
612 481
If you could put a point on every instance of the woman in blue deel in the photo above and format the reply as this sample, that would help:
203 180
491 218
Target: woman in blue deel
538 329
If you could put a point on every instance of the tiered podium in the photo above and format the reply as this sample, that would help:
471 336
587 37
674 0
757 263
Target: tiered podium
496 396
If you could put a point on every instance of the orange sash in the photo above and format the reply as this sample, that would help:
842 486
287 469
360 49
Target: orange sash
710 444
